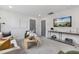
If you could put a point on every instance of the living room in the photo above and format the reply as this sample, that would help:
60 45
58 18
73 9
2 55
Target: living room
19 19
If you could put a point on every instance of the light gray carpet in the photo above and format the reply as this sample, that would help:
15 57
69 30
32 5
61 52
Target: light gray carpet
47 47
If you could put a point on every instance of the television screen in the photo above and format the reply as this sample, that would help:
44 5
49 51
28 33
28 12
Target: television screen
63 21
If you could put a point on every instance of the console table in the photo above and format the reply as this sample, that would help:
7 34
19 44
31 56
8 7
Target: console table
61 33
71 33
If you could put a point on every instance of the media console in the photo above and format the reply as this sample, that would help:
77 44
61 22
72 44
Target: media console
62 33
71 33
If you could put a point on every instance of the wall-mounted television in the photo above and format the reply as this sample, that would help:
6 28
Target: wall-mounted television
65 21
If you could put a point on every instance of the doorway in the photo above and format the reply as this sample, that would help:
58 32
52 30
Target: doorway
33 25
43 28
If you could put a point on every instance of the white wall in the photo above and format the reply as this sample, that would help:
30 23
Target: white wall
38 26
49 24
15 22
18 23
75 23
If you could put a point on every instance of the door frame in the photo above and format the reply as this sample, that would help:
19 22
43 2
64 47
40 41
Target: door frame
35 24
45 27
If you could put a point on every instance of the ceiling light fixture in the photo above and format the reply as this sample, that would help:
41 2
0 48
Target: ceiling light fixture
10 6
39 15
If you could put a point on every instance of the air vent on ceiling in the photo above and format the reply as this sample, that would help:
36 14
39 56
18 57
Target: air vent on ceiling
50 13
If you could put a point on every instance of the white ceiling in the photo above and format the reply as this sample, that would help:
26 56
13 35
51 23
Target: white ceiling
35 10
